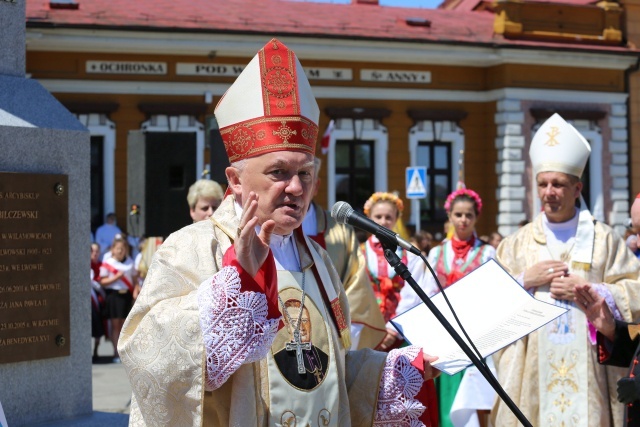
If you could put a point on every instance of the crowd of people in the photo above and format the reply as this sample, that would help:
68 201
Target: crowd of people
120 263
266 311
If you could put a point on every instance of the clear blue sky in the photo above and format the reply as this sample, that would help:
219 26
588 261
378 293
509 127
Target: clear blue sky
427 4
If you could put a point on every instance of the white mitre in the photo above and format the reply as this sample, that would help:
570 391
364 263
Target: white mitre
559 147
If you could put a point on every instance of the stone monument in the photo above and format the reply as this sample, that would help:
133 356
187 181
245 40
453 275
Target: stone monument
45 356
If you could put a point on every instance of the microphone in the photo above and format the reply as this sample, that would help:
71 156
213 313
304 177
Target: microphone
343 213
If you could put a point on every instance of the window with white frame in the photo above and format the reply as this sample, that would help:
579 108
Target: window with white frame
436 145
103 148
357 161
181 123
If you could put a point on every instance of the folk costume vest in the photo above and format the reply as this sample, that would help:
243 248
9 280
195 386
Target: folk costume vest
386 284
453 271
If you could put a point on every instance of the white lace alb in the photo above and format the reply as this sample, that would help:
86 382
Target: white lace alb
234 326
399 385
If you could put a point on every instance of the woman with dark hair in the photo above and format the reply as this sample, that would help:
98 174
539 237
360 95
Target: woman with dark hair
452 260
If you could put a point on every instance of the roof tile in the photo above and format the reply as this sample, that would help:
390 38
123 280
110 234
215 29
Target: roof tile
286 17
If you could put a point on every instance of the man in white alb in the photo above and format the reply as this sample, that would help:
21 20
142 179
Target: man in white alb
199 344
553 374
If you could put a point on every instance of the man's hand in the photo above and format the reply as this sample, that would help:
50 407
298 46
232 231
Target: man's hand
596 310
388 341
563 288
429 371
252 249
628 389
543 273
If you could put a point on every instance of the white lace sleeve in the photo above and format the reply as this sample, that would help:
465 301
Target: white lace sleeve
399 385
234 326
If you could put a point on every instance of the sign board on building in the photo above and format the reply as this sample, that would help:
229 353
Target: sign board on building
126 67
319 73
234 70
395 76
211 70
416 178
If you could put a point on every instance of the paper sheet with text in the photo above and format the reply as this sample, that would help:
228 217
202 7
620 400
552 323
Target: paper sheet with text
492 307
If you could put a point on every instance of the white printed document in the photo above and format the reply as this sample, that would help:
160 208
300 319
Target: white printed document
492 307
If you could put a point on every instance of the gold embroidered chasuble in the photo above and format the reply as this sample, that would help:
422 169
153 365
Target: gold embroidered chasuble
344 250
556 381
162 345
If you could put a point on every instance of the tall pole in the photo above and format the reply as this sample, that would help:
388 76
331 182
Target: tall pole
460 184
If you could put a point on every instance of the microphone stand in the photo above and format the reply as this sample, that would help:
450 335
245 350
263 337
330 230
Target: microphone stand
403 271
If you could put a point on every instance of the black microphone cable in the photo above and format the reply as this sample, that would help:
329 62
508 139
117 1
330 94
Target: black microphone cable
343 213
455 316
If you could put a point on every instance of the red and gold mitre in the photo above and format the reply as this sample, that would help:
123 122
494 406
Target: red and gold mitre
270 107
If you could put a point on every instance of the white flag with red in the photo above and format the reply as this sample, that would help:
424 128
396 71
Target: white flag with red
324 144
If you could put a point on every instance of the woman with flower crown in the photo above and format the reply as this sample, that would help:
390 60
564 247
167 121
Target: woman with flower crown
393 297
385 209
456 257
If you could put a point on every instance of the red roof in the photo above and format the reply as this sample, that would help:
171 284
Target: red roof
469 5
283 17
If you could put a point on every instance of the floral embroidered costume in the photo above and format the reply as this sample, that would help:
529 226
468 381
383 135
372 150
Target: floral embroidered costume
451 261
387 286
210 344
392 296
339 240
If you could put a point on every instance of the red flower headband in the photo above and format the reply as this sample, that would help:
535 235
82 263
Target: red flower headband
463 192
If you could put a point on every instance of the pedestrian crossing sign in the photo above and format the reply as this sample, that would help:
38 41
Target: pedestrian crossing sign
416 177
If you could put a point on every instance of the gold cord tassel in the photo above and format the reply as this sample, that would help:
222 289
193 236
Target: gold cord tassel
583 266
345 334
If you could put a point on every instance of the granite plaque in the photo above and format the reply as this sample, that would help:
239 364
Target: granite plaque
34 267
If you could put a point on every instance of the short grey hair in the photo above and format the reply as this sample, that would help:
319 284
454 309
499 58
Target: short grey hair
240 164
204 188
317 164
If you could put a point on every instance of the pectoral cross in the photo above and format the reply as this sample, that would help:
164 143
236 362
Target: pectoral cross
298 346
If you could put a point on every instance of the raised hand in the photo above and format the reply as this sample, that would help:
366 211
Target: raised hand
252 249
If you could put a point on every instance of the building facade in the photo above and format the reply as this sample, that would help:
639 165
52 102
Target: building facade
459 90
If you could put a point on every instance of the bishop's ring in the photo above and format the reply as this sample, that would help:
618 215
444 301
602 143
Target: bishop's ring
551 270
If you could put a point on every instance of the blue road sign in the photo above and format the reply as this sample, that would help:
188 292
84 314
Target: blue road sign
416 178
